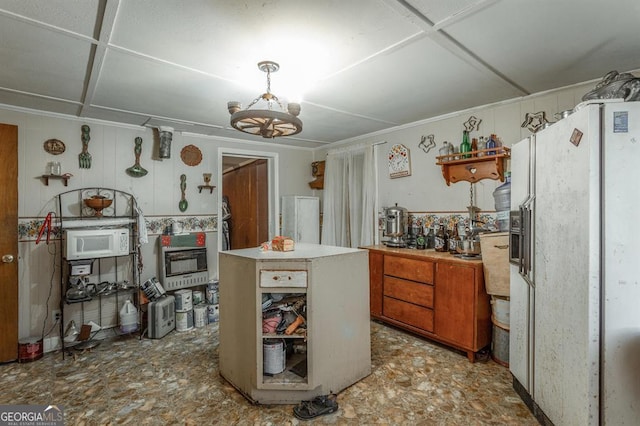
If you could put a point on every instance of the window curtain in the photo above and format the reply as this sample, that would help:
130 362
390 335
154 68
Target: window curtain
349 214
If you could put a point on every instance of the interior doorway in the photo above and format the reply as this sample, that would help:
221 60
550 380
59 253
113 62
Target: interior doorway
249 180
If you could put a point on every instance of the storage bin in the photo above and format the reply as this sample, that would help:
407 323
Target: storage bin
495 261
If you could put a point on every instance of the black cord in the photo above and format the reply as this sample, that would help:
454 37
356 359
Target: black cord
53 273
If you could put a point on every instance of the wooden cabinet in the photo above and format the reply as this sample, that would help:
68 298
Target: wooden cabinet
435 295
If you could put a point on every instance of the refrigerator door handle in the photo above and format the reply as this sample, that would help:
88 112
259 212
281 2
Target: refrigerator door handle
521 271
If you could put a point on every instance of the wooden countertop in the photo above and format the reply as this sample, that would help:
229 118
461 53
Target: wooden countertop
428 254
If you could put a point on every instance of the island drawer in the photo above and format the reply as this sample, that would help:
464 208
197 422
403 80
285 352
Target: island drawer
282 278
408 313
410 269
409 291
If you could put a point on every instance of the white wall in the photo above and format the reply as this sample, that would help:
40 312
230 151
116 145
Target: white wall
425 190
112 150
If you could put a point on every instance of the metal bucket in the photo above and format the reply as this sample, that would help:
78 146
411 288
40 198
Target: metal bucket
500 345
274 356
30 349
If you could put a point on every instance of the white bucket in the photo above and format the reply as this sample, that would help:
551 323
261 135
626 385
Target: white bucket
212 292
274 356
500 311
200 318
128 317
197 297
184 300
213 313
184 320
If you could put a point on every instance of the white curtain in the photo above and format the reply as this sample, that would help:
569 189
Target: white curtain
349 214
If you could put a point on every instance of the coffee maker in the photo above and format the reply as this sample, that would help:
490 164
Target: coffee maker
396 226
79 288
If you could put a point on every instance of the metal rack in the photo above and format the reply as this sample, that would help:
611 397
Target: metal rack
121 273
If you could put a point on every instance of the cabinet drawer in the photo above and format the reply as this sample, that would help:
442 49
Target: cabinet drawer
409 291
408 313
274 278
410 269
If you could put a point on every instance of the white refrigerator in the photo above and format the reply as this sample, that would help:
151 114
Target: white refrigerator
574 348
301 218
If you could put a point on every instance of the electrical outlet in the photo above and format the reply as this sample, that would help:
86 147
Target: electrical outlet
56 315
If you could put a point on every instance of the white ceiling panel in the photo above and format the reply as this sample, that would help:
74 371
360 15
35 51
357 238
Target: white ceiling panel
555 43
41 61
436 81
78 16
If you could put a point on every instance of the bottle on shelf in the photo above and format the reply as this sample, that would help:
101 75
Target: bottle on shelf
454 240
465 146
421 240
431 238
441 239
491 143
444 150
482 144
474 146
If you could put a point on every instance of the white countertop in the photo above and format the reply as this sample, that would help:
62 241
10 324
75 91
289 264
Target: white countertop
302 251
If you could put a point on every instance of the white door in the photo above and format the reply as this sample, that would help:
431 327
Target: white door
301 219
520 337
621 280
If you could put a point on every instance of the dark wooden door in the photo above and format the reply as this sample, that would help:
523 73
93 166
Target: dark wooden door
247 189
9 243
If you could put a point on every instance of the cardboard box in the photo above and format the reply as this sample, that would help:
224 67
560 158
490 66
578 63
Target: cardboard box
280 243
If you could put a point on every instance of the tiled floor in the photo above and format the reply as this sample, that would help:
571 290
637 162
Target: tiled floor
175 380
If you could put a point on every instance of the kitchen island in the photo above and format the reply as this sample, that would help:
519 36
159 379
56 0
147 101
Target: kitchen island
329 351
433 294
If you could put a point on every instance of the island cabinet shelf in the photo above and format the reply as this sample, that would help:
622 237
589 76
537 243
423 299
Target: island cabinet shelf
295 325
432 294
474 168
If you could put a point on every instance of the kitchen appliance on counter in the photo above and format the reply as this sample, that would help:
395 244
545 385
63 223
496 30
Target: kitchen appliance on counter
574 317
396 226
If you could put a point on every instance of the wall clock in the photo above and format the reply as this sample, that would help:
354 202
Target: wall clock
399 161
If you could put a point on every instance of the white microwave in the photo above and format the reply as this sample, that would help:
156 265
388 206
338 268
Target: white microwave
92 243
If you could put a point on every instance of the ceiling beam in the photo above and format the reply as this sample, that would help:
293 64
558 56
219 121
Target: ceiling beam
105 22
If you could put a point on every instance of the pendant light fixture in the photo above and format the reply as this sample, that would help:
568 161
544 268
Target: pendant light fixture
267 121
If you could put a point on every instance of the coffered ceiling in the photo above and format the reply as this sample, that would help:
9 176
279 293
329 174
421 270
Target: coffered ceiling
356 66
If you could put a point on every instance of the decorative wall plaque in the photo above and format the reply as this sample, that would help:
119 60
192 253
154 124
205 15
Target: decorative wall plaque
54 146
191 155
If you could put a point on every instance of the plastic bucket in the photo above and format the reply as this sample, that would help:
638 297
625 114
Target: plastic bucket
274 356
184 320
200 318
184 300
213 313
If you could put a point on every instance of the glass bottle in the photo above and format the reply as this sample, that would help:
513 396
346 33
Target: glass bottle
431 238
440 239
474 146
465 146
491 143
421 240
482 144
444 151
453 241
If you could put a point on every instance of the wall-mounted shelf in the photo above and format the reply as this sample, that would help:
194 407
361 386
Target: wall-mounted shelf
209 187
46 178
474 168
